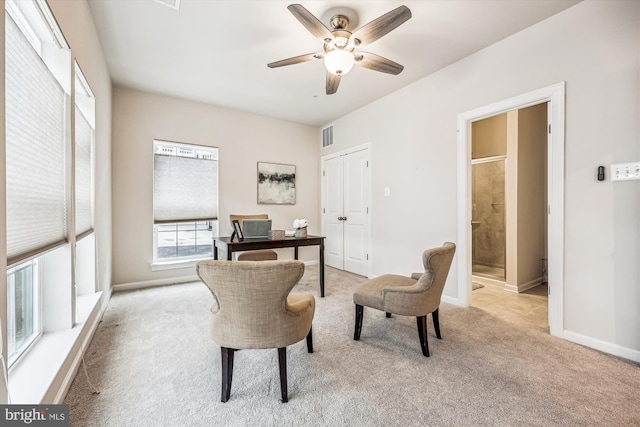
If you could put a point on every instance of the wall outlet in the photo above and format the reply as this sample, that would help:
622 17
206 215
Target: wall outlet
625 171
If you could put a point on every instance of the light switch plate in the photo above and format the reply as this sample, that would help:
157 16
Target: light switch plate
625 171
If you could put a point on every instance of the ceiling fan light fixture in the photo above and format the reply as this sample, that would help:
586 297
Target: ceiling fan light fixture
338 62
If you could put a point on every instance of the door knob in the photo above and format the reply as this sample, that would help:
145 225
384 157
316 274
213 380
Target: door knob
340 218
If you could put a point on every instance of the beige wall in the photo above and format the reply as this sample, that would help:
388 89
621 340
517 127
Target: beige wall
243 139
595 48
526 196
489 137
532 196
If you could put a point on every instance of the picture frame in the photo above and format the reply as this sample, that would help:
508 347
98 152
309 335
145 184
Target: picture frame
237 230
276 184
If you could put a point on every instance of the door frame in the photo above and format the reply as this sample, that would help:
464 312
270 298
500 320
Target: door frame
555 96
362 147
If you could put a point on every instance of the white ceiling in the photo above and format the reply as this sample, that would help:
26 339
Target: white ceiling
217 51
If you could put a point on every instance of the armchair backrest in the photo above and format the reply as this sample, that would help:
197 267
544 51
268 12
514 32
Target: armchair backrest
437 263
423 297
250 309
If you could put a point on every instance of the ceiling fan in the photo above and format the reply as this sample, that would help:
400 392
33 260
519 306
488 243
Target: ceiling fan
340 46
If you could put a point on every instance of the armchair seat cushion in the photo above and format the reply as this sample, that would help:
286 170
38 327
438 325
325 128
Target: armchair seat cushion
371 292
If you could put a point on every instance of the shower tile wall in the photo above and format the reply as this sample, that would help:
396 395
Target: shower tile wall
489 238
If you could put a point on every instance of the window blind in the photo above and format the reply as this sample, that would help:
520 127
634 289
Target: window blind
35 151
185 183
84 178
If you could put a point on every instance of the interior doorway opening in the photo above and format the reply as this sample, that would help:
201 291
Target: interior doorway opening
508 219
509 198
553 205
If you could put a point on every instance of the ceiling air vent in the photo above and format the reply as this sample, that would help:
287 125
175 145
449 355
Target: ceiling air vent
173 4
327 136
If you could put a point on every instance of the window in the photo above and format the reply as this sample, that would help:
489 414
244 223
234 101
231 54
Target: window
22 308
85 274
37 99
185 201
84 141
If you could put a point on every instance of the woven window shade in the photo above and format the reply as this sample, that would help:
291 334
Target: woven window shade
185 189
35 150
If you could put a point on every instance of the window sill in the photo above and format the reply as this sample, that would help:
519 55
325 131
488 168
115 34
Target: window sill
36 375
174 265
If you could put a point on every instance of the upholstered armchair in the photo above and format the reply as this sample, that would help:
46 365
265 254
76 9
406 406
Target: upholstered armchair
260 255
253 309
417 295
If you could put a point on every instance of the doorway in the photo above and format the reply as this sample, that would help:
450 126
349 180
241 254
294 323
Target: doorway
554 95
508 191
346 182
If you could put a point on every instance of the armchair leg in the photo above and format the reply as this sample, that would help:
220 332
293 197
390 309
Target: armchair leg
310 341
436 323
358 328
422 332
388 315
282 361
227 372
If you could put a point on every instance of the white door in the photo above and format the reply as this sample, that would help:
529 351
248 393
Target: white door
332 212
346 211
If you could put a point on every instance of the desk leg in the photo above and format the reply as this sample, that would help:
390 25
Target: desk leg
229 254
321 267
295 252
215 251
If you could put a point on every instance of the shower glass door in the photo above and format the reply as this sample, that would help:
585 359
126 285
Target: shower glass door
488 217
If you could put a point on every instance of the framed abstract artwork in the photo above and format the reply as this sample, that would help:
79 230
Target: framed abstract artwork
276 184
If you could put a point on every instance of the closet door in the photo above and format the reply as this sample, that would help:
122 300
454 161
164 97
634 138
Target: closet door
346 211
332 210
356 216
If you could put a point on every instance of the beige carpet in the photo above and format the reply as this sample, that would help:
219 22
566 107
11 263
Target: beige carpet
155 365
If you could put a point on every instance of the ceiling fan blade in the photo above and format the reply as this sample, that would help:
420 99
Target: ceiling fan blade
295 60
333 82
381 26
310 22
378 63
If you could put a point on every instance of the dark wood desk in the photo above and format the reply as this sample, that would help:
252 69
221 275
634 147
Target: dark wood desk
231 246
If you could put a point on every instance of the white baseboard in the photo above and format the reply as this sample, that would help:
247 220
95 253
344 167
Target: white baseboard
158 282
594 343
523 286
507 286
604 346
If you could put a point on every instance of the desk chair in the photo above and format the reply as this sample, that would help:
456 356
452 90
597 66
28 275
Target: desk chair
261 255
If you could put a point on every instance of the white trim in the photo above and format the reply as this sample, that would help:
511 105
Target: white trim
174 265
488 159
156 282
89 329
500 283
607 347
523 286
555 95
47 371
